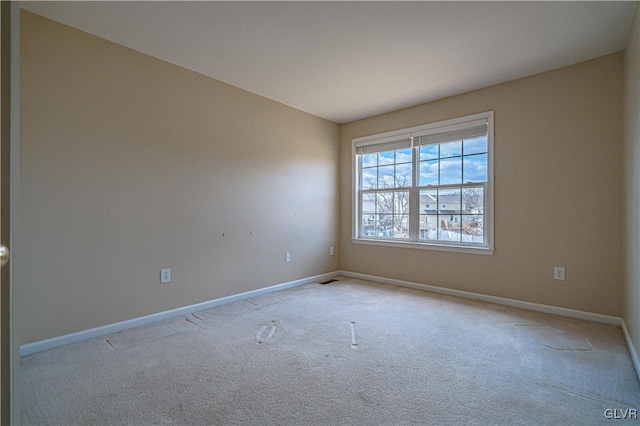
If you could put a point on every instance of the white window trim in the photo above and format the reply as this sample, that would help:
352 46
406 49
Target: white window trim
488 248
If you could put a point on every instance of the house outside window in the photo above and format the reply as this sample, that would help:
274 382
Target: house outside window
401 177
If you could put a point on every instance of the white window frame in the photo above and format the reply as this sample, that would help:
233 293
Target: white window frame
414 132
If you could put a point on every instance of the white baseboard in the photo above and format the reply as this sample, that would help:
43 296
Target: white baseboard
105 330
632 348
55 342
571 313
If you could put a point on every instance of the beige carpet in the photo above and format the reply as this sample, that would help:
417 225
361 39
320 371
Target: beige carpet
347 353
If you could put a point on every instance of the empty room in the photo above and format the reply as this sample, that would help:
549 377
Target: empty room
320 213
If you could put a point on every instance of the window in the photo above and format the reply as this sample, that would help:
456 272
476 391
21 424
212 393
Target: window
402 177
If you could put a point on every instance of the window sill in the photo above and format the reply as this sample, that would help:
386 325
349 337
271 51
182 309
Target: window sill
424 246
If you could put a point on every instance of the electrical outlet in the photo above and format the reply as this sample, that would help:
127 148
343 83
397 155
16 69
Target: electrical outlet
558 273
165 275
331 251
287 257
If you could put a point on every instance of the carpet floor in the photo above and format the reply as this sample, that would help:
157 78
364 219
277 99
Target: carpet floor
347 353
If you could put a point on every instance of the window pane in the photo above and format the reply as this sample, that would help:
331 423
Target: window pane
473 229
428 152
386 157
384 202
473 200
475 168
428 227
429 201
451 149
385 177
369 160
428 173
384 225
451 171
368 203
449 228
475 146
401 202
403 155
369 178
449 201
369 225
401 226
403 175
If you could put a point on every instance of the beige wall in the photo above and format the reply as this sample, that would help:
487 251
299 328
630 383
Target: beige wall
558 196
632 183
130 164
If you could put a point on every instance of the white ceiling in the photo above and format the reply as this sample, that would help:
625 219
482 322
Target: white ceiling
348 60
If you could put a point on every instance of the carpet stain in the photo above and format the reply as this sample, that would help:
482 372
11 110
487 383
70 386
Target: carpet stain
365 398
354 342
579 393
272 327
187 319
145 334
555 339
580 345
